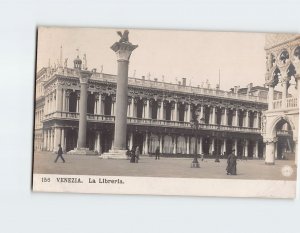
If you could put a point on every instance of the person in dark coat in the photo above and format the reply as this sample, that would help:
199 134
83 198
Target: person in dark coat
157 153
231 164
132 155
59 154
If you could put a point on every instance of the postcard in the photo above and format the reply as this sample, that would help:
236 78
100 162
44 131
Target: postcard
166 112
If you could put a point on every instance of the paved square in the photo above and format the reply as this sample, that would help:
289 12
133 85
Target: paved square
165 167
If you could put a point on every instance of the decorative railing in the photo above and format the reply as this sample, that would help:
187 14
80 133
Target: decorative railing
292 102
288 104
148 122
162 85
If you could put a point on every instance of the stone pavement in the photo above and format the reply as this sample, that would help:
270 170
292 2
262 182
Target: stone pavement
165 167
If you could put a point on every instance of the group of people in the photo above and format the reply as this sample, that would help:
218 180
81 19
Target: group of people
134 154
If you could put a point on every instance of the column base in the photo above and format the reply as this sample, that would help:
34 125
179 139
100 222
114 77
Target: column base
82 151
114 154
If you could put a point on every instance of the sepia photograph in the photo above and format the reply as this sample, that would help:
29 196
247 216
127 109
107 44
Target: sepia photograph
166 112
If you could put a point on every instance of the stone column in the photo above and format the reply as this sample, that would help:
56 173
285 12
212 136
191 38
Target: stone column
270 152
162 110
52 140
188 145
130 140
123 51
161 143
113 107
77 102
59 97
246 148
284 91
147 108
175 112
201 112
132 108
100 105
48 140
257 120
270 97
57 134
235 146
175 145
63 100
62 140
225 119
189 113
200 145
247 119
45 140
224 145
256 150
146 143
236 117
212 146
84 78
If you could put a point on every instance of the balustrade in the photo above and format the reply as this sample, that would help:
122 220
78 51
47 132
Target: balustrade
151 122
289 103
163 85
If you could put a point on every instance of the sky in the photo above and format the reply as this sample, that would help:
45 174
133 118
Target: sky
195 55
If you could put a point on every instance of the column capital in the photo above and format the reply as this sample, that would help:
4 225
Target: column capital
270 140
123 48
85 76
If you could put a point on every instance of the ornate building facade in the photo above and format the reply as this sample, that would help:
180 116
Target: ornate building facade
158 115
280 121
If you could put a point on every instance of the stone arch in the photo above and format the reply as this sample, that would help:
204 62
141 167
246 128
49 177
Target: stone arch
284 56
296 52
277 120
290 70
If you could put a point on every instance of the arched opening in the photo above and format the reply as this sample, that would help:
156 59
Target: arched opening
181 111
139 108
206 114
71 139
297 53
230 117
154 109
284 145
72 102
241 118
91 103
284 56
251 119
205 145
107 105
90 142
218 115
167 145
168 111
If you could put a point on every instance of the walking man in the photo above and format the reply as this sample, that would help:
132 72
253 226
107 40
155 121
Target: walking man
231 164
157 153
59 154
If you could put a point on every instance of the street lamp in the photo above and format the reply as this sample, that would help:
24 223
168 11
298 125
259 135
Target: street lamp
195 125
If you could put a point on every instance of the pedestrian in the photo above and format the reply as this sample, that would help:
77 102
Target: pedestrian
157 153
59 154
217 160
231 164
137 154
132 155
